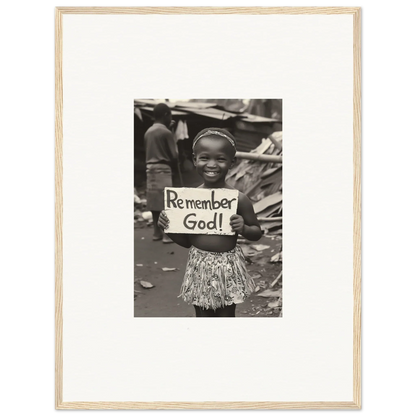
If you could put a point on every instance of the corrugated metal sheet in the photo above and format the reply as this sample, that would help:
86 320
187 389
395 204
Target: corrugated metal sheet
229 104
249 135
247 141
257 119
210 113
152 103
266 108
248 129
173 110
191 104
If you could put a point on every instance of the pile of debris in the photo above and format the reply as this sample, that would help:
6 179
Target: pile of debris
140 213
261 181
265 267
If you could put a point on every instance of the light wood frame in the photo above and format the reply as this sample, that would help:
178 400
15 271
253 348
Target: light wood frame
356 14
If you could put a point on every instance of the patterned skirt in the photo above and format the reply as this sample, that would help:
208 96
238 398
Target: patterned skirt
214 280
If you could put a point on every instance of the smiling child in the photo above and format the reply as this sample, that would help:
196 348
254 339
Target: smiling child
216 278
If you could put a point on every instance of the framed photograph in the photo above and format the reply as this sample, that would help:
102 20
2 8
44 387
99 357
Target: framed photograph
192 145
174 177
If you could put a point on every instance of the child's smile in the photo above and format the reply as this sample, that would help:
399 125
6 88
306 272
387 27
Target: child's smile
211 174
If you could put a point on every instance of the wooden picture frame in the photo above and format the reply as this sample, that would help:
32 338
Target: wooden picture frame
355 403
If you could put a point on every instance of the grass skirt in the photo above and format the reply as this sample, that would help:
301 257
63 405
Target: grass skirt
214 280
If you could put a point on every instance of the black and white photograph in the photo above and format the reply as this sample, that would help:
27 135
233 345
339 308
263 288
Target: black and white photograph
208 208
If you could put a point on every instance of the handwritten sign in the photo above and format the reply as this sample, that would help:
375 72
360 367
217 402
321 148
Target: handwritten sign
200 211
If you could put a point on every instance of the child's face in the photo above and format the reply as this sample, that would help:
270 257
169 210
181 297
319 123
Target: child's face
213 157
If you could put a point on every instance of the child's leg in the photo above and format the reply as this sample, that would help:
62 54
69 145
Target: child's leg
203 313
157 232
227 311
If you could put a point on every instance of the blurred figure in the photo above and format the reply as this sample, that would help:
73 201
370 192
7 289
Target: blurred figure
161 156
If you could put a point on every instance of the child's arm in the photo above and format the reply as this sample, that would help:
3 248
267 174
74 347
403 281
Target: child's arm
245 222
181 239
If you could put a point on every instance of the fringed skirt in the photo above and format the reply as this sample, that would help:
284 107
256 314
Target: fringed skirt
214 280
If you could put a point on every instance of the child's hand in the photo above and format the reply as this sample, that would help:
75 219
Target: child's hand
237 223
163 221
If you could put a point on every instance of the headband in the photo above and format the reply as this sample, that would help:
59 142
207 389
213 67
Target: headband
213 133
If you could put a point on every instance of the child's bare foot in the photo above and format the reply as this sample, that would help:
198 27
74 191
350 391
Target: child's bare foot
166 239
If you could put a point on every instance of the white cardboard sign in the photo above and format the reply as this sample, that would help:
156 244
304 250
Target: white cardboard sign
200 211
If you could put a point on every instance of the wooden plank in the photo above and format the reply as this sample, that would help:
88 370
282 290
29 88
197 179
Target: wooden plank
357 208
206 405
259 157
269 211
277 145
270 218
209 112
193 104
58 210
270 200
211 10
251 118
270 225
269 172
262 147
275 179
254 186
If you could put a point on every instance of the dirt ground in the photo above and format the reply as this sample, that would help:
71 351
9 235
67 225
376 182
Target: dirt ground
162 301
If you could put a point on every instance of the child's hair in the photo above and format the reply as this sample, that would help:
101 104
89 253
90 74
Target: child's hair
216 132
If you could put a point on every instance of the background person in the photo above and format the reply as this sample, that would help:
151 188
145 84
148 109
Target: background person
161 156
